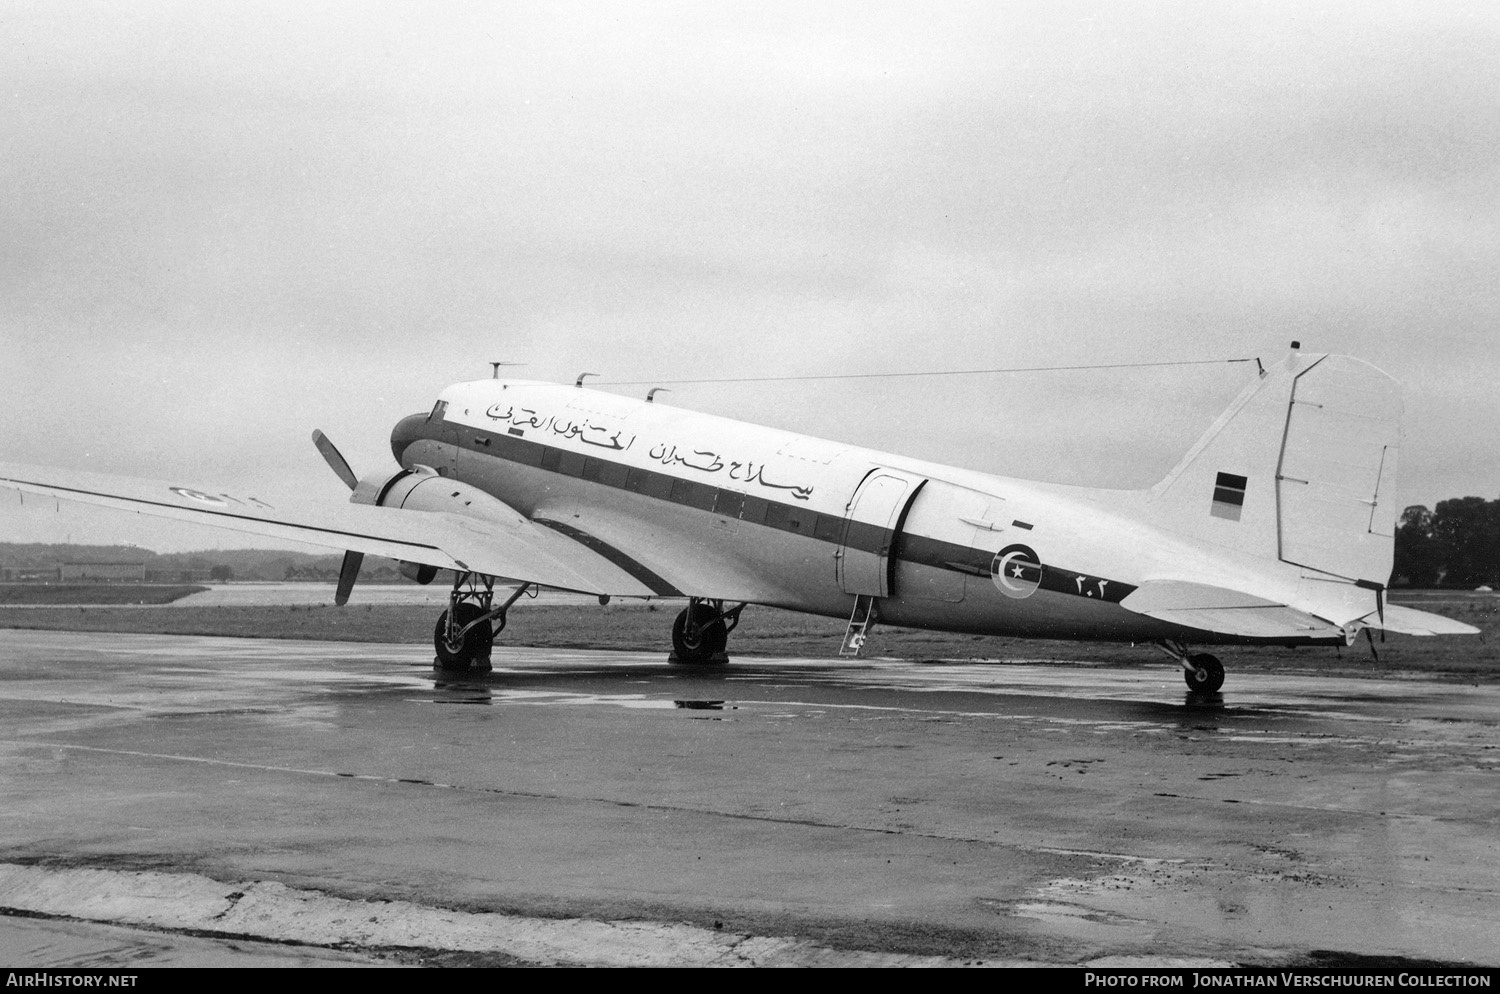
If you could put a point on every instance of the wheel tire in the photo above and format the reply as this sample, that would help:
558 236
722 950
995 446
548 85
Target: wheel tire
475 644
710 642
1207 674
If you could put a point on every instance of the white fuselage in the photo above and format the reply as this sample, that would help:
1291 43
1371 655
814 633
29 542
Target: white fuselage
697 505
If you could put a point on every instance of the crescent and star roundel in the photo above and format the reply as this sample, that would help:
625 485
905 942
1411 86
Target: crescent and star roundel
1017 571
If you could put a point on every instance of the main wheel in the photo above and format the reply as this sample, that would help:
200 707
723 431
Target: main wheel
1207 674
708 642
473 645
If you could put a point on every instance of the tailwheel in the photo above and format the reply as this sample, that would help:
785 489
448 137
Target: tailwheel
700 632
1206 675
458 649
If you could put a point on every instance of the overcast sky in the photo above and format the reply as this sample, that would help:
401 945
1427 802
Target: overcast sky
224 225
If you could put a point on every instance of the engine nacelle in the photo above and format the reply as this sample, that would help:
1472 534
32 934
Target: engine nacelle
418 572
422 489
373 489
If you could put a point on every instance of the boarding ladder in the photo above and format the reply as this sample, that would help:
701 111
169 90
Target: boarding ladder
860 623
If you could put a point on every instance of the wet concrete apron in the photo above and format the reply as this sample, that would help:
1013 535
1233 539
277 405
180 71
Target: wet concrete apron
770 811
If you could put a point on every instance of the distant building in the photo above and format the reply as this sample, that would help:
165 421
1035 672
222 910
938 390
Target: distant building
28 574
100 572
173 575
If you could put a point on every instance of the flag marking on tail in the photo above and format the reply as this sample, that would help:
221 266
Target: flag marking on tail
1229 496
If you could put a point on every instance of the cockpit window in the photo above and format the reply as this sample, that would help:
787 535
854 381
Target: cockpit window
439 411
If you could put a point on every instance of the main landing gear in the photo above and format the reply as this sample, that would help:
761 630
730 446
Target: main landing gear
701 632
1203 672
466 631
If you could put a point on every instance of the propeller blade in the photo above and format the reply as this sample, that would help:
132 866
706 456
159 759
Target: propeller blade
336 462
347 575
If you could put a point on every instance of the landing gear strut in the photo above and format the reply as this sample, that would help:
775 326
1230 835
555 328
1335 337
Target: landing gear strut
1203 672
701 632
466 631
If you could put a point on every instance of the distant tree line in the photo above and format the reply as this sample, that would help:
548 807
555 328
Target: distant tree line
216 564
1456 545
375 570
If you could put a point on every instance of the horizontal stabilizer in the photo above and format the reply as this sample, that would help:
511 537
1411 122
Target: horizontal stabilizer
1174 595
1224 611
1410 621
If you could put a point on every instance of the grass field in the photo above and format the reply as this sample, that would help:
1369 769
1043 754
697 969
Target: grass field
634 626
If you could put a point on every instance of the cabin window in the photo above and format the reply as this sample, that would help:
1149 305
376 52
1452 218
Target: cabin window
522 452
571 464
755 510
786 517
612 474
643 481
551 459
693 494
729 503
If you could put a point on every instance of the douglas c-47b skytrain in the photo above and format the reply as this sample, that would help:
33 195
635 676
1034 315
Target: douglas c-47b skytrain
1276 527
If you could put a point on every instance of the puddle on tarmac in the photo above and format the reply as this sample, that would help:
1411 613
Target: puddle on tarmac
1069 914
480 695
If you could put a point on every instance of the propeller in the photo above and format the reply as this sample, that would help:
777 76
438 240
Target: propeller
349 571
335 459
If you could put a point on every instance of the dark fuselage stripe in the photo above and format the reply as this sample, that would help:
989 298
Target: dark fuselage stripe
638 571
860 536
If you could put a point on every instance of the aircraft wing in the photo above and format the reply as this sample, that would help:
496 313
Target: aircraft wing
1225 611
510 547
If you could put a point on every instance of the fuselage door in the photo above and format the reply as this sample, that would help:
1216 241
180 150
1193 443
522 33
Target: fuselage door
871 524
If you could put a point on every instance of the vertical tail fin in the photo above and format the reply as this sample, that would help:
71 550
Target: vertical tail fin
1300 468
